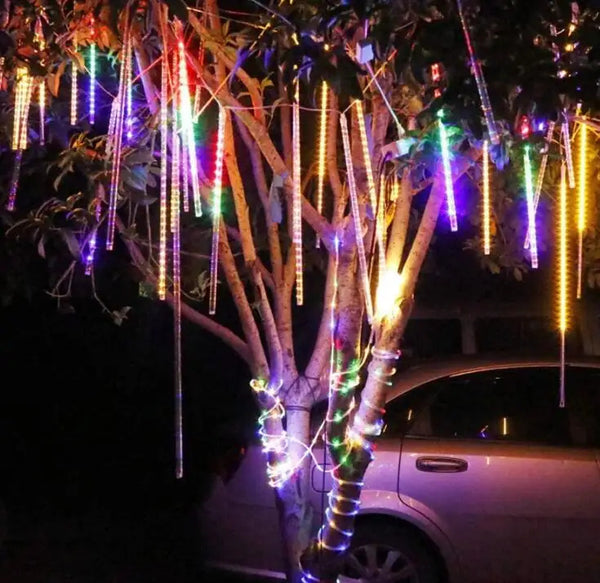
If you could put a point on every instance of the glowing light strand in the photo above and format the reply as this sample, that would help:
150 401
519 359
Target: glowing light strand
533 249
216 212
92 89
362 260
563 277
487 212
23 91
163 211
541 173
566 135
362 129
116 141
176 260
322 151
129 96
187 124
274 444
445 147
74 92
484 97
42 110
297 197
581 203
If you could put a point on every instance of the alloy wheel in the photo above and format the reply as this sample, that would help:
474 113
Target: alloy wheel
376 563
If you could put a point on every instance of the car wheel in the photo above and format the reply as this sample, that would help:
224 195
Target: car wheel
380 554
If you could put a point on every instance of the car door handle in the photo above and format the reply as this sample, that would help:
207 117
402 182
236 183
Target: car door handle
443 465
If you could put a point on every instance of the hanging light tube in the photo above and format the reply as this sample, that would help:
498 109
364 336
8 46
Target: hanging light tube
487 210
445 147
581 203
92 90
74 92
216 212
297 196
322 151
187 124
362 260
530 208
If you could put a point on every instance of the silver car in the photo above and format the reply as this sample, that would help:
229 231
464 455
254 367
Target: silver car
479 477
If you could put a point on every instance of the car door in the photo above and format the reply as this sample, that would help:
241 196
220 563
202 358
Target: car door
491 460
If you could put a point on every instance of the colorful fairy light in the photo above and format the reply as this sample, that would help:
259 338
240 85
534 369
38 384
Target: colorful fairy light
449 182
297 196
487 210
187 124
322 150
563 276
581 203
530 207
273 444
164 129
89 258
486 106
92 91
216 212
74 92
360 247
566 135
185 177
362 130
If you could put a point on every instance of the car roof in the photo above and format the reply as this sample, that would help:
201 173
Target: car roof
425 371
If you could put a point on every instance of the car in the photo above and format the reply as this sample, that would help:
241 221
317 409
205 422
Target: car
479 476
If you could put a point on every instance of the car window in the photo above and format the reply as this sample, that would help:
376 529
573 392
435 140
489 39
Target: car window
583 405
405 410
515 405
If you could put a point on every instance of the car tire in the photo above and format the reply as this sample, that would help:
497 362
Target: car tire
383 553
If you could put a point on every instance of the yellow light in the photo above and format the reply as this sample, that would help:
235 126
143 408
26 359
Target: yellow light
322 150
581 203
486 199
164 130
42 108
389 291
504 426
395 189
563 254
370 179
569 47
297 196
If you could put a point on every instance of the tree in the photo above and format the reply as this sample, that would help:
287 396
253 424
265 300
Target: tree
253 76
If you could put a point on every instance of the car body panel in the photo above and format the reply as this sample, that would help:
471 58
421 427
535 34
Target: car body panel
511 498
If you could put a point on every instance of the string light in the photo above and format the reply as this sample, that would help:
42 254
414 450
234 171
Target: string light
541 173
568 153
530 208
164 129
74 91
563 277
278 472
581 203
187 125
92 92
216 212
116 143
185 176
487 211
484 97
360 247
389 290
322 151
445 147
362 130
297 196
